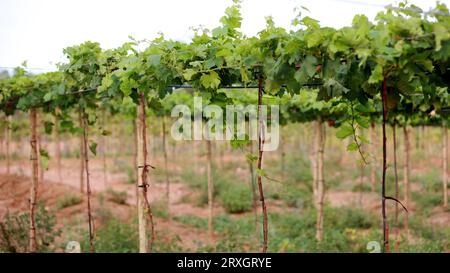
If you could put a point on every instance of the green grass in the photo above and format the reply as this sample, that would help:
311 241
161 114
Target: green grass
362 188
68 200
159 209
192 220
115 236
118 197
193 179
297 197
233 193
291 232
237 198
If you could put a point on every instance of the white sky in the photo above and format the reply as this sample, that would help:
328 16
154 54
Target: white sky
37 31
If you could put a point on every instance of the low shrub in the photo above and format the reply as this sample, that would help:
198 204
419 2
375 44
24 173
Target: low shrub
362 188
14 231
356 218
118 197
297 198
68 200
237 198
114 237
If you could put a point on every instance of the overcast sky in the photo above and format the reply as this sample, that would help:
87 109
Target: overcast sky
37 31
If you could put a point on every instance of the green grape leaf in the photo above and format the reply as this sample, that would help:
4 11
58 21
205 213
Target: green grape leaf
210 80
352 147
188 73
344 131
48 126
93 148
